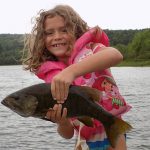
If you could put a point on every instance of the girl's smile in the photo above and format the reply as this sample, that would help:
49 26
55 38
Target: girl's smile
58 44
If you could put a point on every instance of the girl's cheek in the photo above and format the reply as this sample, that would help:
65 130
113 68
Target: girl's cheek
45 41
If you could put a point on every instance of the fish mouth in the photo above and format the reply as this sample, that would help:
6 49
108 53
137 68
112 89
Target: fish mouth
5 102
10 103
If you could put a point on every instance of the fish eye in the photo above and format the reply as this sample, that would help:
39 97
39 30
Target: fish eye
16 97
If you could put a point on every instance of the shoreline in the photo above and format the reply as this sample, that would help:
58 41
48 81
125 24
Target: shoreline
124 63
134 63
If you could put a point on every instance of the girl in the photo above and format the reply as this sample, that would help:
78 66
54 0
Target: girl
63 50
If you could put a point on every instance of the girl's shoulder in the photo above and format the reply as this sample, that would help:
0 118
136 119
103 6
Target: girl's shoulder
51 65
49 68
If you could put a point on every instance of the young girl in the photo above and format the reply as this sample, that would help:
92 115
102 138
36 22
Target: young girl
63 50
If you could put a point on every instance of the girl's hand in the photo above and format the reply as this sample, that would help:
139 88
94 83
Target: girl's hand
55 116
60 85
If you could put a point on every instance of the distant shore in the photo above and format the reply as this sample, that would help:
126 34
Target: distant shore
134 63
124 63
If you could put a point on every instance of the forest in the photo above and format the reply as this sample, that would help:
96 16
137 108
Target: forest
133 44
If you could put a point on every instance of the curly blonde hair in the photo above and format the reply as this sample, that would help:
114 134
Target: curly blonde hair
34 44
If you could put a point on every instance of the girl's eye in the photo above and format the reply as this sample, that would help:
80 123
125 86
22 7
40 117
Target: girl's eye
48 33
64 30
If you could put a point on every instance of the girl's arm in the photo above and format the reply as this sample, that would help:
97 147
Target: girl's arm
105 58
101 60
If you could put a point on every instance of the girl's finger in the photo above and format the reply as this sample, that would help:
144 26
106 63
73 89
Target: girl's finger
62 91
53 113
55 107
57 91
49 113
53 90
58 114
64 114
66 91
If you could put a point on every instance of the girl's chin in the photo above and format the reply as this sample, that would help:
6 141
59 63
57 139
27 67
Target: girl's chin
60 55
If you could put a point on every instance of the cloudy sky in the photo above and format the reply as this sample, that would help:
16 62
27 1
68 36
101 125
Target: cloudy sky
15 15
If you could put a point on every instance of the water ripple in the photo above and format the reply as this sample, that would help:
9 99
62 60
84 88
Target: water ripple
18 133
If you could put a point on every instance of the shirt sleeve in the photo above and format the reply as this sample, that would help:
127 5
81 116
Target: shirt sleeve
49 69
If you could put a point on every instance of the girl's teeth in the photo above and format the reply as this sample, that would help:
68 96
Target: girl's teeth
56 45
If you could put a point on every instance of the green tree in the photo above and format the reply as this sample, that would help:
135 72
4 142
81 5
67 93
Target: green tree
123 49
139 48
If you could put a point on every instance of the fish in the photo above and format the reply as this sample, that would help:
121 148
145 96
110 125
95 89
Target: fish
36 100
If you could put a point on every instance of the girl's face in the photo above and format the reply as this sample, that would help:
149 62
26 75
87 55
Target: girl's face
57 38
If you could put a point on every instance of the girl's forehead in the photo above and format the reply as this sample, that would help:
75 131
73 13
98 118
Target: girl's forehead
56 21
55 18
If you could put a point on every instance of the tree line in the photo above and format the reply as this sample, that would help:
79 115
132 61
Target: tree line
133 44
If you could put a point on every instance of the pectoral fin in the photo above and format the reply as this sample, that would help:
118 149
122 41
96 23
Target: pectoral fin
86 120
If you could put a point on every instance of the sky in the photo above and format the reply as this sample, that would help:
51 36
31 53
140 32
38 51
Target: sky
16 15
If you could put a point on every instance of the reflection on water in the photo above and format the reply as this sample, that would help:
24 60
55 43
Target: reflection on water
18 133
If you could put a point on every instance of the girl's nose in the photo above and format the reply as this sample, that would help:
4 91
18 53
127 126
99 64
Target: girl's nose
58 36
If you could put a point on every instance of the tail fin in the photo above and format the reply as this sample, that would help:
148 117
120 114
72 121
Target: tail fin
115 130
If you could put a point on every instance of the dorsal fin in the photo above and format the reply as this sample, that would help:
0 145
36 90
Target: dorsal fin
94 94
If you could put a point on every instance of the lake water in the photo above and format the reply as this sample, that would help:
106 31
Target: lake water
18 133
